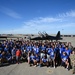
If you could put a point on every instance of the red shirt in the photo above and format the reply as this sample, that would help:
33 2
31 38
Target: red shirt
18 53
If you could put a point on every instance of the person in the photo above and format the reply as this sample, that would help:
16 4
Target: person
70 46
13 53
53 55
18 54
29 48
72 58
65 60
42 54
68 51
61 50
37 58
6 49
32 59
48 50
36 50
8 57
0 57
1 48
28 57
44 61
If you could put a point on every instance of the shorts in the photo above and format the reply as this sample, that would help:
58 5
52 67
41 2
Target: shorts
48 58
63 63
42 55
52 58
28 58
38 60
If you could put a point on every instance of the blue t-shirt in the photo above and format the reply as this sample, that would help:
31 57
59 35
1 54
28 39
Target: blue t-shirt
0 55
6 49
43 48
13 52
8 56
68 52
48 50
32 57
22 48
63 48
52 52
64 58
29 48
11 42
38 58
36 50
61 51
44 60
1 48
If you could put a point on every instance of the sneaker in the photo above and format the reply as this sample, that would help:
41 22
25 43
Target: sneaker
40 65
30 65
68 68
54 66
35 65
47 66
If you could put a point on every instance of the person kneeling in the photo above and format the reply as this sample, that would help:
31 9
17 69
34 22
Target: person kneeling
65 61
44 61
32 59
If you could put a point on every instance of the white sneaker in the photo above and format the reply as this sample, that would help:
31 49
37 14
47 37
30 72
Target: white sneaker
35 65
54 66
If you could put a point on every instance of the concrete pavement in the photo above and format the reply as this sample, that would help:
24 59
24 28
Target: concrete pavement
25 69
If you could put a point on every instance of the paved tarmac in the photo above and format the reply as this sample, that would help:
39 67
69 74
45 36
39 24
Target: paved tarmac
25 69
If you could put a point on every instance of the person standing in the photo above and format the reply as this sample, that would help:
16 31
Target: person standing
72 58
18 55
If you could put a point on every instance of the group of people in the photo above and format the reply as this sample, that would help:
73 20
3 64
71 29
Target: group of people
38 53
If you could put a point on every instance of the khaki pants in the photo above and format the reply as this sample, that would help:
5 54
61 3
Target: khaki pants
73 67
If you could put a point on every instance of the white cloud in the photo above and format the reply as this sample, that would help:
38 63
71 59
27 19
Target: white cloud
71 13
42 20
68 14
10 12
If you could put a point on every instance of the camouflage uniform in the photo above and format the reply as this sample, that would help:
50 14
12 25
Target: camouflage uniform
72 58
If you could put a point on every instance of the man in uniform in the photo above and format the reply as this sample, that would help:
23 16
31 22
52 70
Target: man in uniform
72 58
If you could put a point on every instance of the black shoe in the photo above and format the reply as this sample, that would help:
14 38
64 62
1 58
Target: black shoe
47 66
30 65
68 68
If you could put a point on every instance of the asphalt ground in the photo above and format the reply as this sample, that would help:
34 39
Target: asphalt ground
25 69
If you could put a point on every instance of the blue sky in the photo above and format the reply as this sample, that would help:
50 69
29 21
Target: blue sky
32 16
